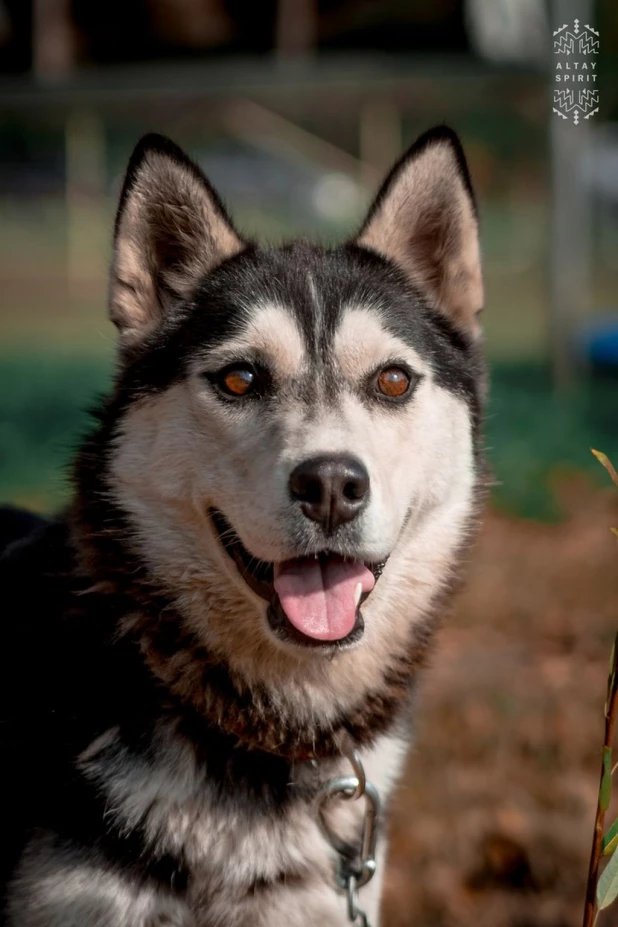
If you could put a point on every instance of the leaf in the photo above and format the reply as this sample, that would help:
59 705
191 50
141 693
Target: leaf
610 839
614 531
610 848
605 792
607 886
606 462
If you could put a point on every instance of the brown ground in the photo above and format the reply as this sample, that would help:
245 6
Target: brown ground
493 822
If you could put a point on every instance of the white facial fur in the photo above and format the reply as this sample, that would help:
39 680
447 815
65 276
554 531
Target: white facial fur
184 450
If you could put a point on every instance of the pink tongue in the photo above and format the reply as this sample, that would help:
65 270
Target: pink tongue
319 597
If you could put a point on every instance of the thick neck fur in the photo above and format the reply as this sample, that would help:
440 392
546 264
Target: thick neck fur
258 715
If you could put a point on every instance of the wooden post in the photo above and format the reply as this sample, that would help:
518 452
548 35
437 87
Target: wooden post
84 197
296 28
53 40
380 140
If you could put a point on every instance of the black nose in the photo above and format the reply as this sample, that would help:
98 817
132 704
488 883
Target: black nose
331 490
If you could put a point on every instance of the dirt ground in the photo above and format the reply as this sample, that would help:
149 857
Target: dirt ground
493 821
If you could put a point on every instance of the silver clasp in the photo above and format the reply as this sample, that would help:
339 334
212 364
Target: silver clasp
353 872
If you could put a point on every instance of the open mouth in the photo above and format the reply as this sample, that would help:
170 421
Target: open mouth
314 601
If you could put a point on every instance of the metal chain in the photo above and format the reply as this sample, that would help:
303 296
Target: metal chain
357 869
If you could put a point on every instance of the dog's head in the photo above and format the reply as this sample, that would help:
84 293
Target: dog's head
296 450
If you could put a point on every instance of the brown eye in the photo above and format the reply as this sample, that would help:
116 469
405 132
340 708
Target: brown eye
393 382
237 381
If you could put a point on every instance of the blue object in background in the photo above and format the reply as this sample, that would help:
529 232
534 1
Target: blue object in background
597 343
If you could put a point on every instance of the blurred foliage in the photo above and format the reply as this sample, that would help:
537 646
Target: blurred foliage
44 400
536 436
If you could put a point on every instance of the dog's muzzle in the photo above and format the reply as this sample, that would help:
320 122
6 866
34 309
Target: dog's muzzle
313 601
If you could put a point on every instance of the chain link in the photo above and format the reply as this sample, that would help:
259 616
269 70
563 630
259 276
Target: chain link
355 913
358 869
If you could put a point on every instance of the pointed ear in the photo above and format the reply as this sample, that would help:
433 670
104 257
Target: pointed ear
424 221
171 230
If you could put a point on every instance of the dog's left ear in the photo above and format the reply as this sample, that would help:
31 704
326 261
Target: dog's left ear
424 221
171 230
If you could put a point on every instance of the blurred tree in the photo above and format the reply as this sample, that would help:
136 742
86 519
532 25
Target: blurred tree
296 27
108 31
392 25
53 39
191 23
16 38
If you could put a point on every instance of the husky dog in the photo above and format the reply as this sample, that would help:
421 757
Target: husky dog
266 518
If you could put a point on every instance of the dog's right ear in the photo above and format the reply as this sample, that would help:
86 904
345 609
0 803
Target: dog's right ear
171 230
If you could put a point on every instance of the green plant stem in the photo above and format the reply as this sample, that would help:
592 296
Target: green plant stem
611 707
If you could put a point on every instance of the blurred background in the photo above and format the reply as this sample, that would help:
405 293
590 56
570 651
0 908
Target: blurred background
295 109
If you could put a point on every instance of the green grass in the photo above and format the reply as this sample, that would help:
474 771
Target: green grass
533 435
44 400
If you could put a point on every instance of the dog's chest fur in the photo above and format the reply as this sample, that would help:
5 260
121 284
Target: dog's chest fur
248 854
139 811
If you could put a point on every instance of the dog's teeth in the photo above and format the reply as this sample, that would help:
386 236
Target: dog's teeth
357 594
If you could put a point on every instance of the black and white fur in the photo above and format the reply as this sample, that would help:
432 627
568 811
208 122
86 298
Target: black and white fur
163 746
